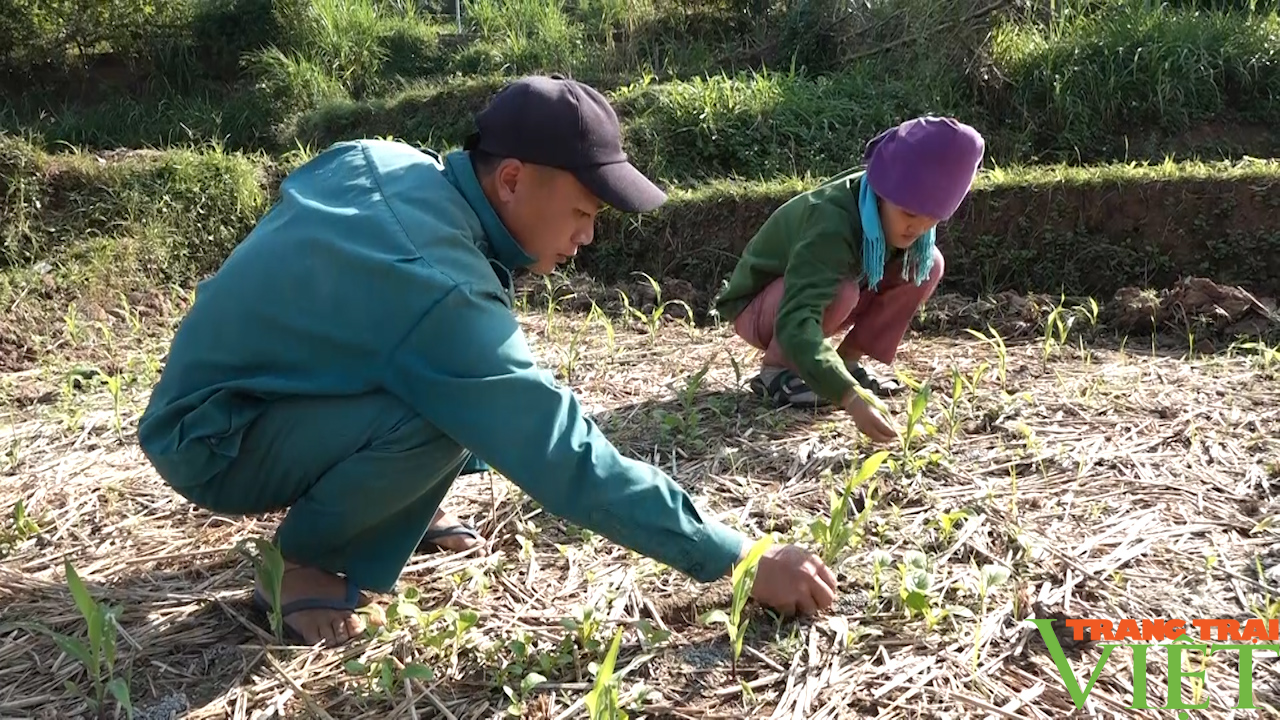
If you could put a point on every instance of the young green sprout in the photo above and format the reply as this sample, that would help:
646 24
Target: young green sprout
654 318
268 563
834 534
602 701
744 575
915 413
991 577
98 653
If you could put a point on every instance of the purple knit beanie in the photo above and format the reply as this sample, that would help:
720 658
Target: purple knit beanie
925 165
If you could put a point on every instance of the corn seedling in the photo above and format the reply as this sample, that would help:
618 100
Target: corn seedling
833 535
98 654
572 354
997 343
654 318
553 302
1266 355
268 565
113 388
880 560
737 369
744 575
957 391
1052 324
602 702
692 385
991 577
915 414
22 529
603 319
73 324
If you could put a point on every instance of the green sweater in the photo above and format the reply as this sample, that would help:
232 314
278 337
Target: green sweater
814 241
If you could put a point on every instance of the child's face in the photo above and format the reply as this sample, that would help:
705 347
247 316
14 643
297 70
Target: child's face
902 227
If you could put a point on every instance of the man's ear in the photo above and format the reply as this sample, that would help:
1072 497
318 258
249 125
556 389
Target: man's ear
507 177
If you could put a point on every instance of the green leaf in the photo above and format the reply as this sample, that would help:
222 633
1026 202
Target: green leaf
753 557
818 531
418 671
994 575
531 681
712 617
74 647
917 581
120 691
869 467
602 688
915 559
355 667
920 400
881 559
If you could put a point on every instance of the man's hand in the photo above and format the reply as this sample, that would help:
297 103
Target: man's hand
869 420
793 581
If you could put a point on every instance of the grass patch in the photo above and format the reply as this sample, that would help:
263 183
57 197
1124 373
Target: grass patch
1095 84
172 216
1089 82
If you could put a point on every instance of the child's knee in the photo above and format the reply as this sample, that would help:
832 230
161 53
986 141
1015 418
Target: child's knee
938 268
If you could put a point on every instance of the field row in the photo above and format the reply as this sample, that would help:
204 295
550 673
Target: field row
695 104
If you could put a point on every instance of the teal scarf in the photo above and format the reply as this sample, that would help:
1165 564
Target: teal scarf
919 255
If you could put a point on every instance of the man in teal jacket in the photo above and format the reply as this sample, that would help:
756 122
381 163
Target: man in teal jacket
358 349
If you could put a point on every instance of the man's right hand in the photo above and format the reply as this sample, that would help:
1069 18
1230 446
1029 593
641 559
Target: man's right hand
792 581
869 420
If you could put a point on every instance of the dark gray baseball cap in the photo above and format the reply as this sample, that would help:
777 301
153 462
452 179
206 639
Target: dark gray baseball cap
565 124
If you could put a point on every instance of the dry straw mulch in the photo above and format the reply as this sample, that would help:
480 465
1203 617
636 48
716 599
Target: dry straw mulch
1108 484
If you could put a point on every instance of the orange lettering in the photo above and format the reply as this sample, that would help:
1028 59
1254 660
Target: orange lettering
1105 631
1158 630
1077 628
1230 630
1128 630
1254 630
1205 627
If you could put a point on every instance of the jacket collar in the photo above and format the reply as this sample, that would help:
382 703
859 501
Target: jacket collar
501 245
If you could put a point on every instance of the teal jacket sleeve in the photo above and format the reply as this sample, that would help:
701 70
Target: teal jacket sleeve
466 367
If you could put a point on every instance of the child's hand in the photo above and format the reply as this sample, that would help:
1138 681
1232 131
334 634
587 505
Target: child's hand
869 420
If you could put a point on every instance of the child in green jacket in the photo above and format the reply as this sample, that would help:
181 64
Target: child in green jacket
855 254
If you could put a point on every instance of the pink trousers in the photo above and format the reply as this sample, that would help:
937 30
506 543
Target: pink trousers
878 319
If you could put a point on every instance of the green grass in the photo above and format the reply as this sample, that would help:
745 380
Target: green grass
1107 84
169 217
1092 77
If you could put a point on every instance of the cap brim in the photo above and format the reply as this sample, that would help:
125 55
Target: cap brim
622 186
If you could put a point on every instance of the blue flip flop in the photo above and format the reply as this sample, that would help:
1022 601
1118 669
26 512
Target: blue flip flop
263 605
429 539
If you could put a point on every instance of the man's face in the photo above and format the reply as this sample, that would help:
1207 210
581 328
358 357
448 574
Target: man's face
902 227
548 211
